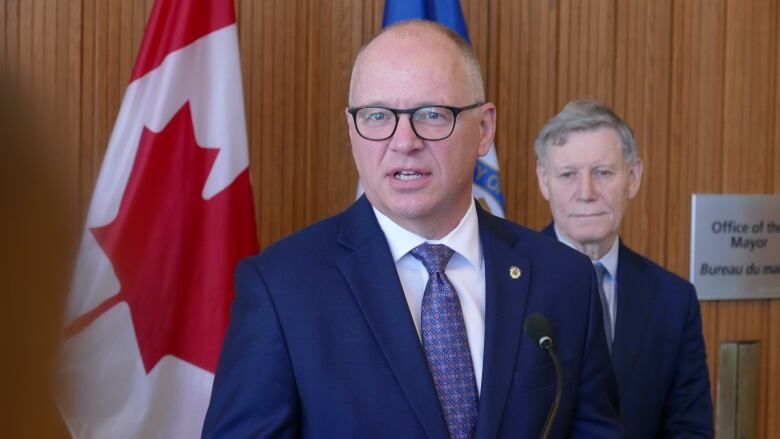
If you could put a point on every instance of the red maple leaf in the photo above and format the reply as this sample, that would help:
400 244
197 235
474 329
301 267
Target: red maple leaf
174 252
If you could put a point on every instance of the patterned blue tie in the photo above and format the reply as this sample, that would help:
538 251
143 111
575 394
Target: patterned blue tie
446 344
601 271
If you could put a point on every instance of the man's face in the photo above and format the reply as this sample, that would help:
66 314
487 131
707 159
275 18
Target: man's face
425 186
588 185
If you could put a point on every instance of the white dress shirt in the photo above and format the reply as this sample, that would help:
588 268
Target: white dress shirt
610 263
466 271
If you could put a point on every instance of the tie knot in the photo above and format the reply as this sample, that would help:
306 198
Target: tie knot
600 271
434 257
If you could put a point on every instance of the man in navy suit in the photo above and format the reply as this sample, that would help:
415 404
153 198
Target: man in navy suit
588 169
402 317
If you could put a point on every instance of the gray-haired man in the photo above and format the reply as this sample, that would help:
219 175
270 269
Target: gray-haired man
588 170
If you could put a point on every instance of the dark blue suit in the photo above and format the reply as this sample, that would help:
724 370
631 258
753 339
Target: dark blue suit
322 344
658 352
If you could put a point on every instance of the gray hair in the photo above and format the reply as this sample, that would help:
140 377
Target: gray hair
416 26
584 115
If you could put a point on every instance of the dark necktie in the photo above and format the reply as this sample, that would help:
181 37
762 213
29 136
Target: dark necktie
446 344
600 273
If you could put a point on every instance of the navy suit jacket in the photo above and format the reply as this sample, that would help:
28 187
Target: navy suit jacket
321 342
658 352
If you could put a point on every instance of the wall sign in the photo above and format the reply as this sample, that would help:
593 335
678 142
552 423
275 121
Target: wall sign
735 246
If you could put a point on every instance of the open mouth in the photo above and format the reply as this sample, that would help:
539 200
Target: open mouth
407 175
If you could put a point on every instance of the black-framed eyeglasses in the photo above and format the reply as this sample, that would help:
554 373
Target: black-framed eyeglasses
430 122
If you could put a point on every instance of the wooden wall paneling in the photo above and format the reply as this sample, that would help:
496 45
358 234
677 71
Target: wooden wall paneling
747 115
286 134
87 163
524 94
111 63
298 152
685 73
709 317
655 138
510 49
695 147
102 85
642 93
747 105
601 75
275 112
48 76
128 47
524 63
3 38
247 43
25 47
335 188
541 106
707 146
477 15
54 77
773 382
35 56
633 40
346 40
289 102
137 26
41 56
322 113
478 21
333 175
568 21
747 321
773 391
55 65
685 36
491 66
586 64
697 118
11 36
72 34
262 68
776 108
62 27
136 11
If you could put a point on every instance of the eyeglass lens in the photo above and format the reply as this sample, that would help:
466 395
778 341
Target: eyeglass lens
430 123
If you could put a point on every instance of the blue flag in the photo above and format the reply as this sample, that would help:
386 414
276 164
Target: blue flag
487 187
446 12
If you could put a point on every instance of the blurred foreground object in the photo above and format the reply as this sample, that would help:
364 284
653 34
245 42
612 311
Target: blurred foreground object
35 265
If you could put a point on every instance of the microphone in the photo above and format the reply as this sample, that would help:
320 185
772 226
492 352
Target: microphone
540 332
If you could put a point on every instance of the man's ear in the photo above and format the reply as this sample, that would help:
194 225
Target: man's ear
349 118
487 125
635 178
541 176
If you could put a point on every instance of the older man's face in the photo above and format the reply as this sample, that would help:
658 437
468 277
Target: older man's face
588 185
425 186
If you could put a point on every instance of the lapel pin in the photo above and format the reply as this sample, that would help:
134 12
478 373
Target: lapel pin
515 272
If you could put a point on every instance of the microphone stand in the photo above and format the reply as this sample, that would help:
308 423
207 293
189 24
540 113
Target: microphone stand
548 346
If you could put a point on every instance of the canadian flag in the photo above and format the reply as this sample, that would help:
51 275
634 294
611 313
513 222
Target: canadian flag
170 217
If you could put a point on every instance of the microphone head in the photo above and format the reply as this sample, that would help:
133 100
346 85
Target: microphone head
539 330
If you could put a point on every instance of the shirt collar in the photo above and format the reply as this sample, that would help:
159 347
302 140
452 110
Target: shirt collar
464 238
609 260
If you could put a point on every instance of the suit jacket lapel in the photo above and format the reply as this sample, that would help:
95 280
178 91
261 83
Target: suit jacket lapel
371 275
634 297
505 304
